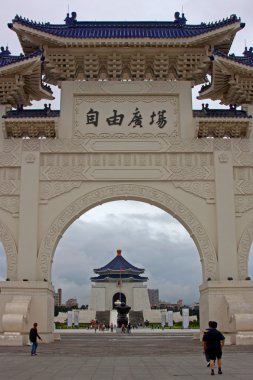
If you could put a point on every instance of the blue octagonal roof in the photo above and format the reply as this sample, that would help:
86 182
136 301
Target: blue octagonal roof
118 265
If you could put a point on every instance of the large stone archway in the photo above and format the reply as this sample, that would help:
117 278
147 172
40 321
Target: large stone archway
49 183
127 191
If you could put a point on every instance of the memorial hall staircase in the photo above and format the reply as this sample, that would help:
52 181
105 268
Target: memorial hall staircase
136 318
103 317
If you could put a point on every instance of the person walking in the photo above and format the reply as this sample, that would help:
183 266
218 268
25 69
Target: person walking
33 335
204 348
213 341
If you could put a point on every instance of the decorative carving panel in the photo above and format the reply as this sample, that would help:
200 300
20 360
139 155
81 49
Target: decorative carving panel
126 166
132 142
205 190
243 203
10 204
243 187
52 189
9 187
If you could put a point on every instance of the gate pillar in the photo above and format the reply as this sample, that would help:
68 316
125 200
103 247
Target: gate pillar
230 303
225 216
22 303
28 221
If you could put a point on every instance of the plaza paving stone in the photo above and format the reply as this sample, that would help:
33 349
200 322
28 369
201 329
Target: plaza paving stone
114 356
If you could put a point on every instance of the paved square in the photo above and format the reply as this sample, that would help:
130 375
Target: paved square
112 356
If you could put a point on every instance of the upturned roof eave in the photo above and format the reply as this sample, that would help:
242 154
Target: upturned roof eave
28 119
223 119
102 271
129 279
231 62
44 38
213 91
20 64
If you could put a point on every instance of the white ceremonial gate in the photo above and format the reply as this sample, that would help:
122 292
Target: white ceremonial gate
126 130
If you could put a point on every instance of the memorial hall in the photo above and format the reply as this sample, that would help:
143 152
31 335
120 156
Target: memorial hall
126 130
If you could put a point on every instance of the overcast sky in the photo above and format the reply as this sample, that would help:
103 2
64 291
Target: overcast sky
148 237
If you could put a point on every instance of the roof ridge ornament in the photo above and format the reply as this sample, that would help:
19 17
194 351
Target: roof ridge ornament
4 52
248 53
180 20
71 20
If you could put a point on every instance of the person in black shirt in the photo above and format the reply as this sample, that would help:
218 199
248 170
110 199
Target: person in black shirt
33 335
213 341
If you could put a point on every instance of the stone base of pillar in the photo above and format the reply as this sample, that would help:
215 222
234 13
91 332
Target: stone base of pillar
12 339
23 303
230 303
244 338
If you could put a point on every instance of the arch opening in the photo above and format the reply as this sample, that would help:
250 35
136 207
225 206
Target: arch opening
144 194
149 238
120 296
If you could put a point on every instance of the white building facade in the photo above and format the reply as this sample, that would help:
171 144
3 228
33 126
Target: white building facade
119 281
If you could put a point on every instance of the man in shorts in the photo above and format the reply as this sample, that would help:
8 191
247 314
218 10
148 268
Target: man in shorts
213 341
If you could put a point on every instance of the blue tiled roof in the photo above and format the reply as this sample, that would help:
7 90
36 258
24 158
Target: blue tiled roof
116 277
246 59
213 113
6 60
120 265
125 29
31 113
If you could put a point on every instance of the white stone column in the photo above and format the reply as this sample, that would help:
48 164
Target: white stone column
187 126
66 116
3 109
28 216
225 216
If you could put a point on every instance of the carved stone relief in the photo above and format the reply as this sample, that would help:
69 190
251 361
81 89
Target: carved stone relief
245 173
127 191
10 204
243 203
115 172
50 190
243 187
89 142
9 174
241 151
10 187
30 158
243 159
31 144
223 158
75 167
10 251
10 154
243 251
205 190
222 144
